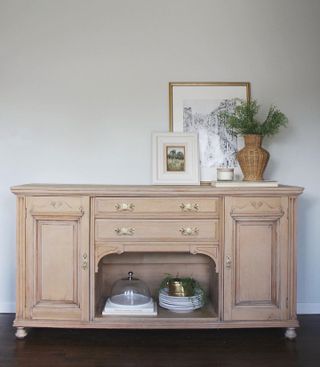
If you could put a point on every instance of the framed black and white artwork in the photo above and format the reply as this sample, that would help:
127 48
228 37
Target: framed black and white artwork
196 107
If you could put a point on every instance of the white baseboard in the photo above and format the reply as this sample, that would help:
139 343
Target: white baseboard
7 307
302 308
308 308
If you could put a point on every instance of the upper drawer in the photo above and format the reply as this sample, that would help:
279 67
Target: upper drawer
182 207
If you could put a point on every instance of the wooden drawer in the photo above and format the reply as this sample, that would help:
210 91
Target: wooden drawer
182 207
156 230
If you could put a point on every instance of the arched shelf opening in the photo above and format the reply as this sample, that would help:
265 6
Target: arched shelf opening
152 268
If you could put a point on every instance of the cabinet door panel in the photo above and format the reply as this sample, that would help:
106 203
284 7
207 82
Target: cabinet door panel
58 244
254 263
57 265
256 249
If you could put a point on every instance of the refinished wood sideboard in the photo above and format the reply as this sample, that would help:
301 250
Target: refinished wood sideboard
75 241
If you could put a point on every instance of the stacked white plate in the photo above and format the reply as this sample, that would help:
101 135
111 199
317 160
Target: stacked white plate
180 304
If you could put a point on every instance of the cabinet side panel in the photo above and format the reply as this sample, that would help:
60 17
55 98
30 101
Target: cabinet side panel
292 266
21 258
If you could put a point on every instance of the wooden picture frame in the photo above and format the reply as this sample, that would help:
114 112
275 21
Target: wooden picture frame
195 107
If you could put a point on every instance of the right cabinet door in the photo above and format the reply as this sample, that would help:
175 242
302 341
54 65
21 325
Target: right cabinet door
255 258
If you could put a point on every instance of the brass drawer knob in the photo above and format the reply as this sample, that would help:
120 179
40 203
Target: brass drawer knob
124 207
188 207
124 231
188 231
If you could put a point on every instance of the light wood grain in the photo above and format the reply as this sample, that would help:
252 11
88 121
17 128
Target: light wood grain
160 230
153 191
159 207
69 254
255 284
21 258
57 233
157 323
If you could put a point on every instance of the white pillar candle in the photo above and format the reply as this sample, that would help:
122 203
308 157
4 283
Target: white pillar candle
225 174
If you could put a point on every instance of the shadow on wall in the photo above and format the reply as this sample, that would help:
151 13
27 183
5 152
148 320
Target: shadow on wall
307 205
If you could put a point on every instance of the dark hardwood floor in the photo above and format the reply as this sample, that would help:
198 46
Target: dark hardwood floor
170 348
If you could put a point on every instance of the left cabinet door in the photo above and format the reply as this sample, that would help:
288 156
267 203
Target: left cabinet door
57 258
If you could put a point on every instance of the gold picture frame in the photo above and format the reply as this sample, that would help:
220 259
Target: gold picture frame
188 101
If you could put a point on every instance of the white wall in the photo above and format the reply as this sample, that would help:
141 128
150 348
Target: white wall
83 83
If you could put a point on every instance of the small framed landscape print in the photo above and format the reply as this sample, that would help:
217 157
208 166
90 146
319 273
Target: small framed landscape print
196 108
175 159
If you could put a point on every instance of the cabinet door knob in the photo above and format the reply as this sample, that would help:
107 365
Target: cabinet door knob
124 207
228 262
188 207
84 262
124 231
188 231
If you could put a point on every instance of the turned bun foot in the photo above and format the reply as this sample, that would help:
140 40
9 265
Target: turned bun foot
21 332
290 333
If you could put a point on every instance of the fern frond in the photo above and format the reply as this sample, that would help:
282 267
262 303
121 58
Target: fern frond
242 121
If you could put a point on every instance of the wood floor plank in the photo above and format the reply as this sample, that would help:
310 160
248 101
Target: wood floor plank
170 348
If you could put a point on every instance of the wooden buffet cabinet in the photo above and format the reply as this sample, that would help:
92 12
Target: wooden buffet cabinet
74 241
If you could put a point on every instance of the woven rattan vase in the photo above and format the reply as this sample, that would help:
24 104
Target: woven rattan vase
252 158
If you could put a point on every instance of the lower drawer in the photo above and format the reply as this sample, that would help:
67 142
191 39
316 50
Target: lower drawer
156 230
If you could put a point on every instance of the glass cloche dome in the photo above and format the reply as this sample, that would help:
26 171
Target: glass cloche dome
130 292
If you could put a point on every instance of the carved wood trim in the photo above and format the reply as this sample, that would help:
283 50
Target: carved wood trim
257 208
56 215
104 250
257 205
257 216
59 204
211 251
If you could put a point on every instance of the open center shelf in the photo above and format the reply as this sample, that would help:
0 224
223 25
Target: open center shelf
152 268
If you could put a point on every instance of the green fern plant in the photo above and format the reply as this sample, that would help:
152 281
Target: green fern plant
243 122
